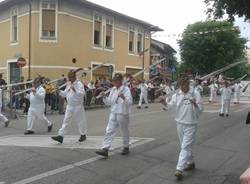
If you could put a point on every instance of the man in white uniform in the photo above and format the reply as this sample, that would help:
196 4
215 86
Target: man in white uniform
237 92
120 100
226 93
198 88
74 94
37 107
213 92
3 119
144 94
188 107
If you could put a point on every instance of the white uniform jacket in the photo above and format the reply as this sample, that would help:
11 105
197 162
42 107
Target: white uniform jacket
144 88
118 105
37 99
74 98
186 112
226 93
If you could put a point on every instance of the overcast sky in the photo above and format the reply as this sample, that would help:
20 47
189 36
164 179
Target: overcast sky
171 15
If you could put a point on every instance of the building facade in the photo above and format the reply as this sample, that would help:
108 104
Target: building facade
55 36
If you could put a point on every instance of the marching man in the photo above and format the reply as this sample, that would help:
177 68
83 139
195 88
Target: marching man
3 119
74 93
213 92
188 107
237 92
226 93
120 100
144 94
37 107
198 88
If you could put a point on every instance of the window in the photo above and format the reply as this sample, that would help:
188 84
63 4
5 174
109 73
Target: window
14 25
48 20
131 46
109 33
139 43
97 30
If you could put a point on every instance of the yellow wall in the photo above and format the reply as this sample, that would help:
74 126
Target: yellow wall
75 40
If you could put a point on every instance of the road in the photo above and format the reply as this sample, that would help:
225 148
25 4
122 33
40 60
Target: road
221 151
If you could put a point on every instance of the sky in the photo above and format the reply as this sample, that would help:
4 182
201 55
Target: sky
171 15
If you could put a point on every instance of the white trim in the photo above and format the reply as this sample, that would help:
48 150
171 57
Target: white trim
119 71
51 67
75 16
98 63
40 24
4 21
3 68
133 67
121 30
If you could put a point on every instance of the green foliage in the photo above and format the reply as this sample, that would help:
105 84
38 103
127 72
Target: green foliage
208 52
217 8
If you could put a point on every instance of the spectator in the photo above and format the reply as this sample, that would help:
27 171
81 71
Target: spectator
90 91
61 99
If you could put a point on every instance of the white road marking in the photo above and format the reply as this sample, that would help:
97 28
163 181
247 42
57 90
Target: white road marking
70 142
77 164
211 111
240 110
144 113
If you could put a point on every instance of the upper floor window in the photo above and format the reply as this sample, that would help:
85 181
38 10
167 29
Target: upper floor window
139 43
131 45
97 30
48 11
14 25
109 33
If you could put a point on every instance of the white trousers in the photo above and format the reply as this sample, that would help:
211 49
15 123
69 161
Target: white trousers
116 121
3 118
36 114
143 96
225 106
236 97
78 113
186 135
213 96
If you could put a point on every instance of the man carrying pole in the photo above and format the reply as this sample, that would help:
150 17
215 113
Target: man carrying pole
37 106
120 100
74 94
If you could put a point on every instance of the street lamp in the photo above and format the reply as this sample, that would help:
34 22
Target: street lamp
150 29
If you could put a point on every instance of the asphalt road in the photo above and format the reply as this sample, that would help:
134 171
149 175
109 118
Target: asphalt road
221 151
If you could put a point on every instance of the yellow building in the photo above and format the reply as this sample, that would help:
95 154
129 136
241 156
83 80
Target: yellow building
55 36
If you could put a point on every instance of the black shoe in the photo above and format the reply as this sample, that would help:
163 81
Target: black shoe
82 138
50 128
103 152
178 174
125 151
146 107
6 124
227 115
58 138
221 114
29 132
139 107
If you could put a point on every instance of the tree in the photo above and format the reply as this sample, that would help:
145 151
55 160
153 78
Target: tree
218 8
210 45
